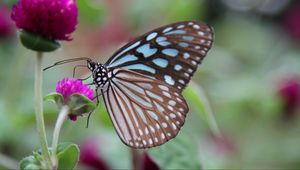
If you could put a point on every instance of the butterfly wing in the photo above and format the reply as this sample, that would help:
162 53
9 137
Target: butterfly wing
170 53
145 112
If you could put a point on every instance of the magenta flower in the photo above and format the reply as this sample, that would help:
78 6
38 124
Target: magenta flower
52 19
90 155
289 92
148 163
70 86
6 25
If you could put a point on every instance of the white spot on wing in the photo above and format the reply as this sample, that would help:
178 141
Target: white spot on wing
169 80
167 29
151 36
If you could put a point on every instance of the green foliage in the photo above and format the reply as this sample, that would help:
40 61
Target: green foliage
90 12
77 103
56 98
179 153
37 43
32 162
68 155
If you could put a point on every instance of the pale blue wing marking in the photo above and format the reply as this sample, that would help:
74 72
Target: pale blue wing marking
167 29
170 52
187 38
146 50
169 80
161 62
124 59
183 44
178 67
140 67
125 50
176 32
151 36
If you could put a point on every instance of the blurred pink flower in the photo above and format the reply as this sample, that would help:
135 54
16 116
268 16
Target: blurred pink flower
52 19
90 156
148 163
222 144
6 25
289 92
69 86
291 21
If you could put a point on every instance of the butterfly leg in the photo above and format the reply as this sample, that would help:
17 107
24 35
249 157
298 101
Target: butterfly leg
97 104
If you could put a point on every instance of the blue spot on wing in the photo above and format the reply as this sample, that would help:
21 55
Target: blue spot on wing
146 50
176 32
123 60
161 62
170 52
141 67
125 50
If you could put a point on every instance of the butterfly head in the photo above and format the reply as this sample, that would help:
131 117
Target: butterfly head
99 72
91 65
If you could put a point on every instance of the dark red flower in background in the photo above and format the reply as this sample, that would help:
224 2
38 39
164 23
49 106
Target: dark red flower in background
6 25
289 92
148 163
52 19
90 156
291 21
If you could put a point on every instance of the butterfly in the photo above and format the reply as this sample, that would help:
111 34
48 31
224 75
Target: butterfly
142 82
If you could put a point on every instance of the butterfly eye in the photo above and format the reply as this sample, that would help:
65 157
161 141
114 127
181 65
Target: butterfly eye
91 64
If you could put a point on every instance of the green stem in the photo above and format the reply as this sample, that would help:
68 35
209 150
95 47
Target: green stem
212 123
60 120
7 162
39 109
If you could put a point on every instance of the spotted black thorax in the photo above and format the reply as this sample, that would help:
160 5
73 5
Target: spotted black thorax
99 73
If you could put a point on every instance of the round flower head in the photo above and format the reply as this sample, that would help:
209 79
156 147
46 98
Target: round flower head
52 19
69 86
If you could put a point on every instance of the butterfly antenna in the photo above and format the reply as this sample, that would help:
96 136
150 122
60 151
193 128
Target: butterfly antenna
66 61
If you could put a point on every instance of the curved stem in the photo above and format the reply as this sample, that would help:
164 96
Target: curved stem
39 109
60 120
212 123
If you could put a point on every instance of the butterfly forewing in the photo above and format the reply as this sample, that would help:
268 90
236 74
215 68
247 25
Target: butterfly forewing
170 53
146 112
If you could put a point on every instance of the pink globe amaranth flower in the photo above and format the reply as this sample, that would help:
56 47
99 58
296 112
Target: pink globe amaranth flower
6 25
148 163
289 92
90 155
52 19
69 86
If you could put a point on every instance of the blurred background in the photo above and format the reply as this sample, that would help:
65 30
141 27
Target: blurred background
251 81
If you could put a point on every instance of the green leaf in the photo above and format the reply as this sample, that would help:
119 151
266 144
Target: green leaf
180 153
29 163
57 98
68 155
196 96
91 12
38 43
80 104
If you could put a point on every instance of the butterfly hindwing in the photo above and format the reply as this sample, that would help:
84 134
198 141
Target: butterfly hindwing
145 112
170 53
